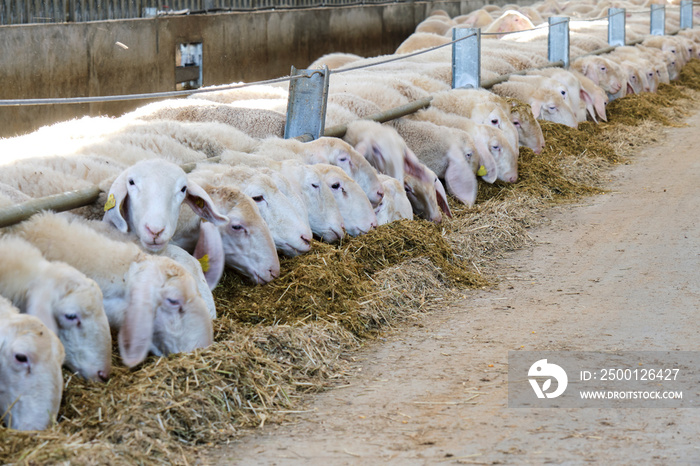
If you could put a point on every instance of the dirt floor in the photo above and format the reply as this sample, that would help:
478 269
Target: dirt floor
619 271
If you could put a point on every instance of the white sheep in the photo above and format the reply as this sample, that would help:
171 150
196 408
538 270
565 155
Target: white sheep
291 232
333 151
384 148
256 123
334 60
151 301
448 152
146 197
546 103
395 204
602 71
66 301
31 357
358 213
247 244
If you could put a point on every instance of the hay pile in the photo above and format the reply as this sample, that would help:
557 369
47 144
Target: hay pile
274 343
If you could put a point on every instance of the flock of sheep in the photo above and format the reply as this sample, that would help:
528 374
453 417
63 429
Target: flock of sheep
143 262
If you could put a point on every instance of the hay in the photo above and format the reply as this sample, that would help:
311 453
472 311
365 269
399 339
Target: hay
274 343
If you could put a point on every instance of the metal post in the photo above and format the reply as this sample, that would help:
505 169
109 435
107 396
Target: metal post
658 20
558 41
616 26
686 14
306 106
466 58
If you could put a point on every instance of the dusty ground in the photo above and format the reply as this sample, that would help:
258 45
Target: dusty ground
620 271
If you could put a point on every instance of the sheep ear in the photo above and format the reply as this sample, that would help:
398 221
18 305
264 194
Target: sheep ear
209 251
461 181
39 305
599 105
115 201
198 199
442 198
136 333
536 106
414 167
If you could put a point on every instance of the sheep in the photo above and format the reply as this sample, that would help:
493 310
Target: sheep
146 197
593 96
325 218
65 300
602 71
291 233
151 301
546 103
333 151
256 123
205 264
245 92
448 152
476 19
334 60
31 381
395 204
573 86
358 214
434 26
570 96
529 131
489 143
419 41
247 244
384 148
509 21
483 107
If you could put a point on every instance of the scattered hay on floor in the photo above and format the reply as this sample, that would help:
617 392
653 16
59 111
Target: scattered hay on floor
276 342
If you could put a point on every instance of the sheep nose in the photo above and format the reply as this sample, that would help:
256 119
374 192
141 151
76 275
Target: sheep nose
513 178
306 239
103 375
153 231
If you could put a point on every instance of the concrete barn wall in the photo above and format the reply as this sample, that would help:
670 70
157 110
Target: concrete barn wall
84 59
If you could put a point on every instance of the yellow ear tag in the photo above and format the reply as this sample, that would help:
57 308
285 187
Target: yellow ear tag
481 171
204 262
199 202
111 202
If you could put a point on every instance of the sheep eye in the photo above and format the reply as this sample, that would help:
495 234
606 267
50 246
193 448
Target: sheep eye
184 189
494 122
563 93
343 159
314 185
259 198
237 227
71 316
21 358
131 181
173 302
602 68
496 147
335 185
516 123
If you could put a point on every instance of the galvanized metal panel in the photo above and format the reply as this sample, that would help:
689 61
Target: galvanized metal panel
658 20
466 58
616 27
306 105
686 14
558 40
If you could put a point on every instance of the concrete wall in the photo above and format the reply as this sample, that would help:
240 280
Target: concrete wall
71 60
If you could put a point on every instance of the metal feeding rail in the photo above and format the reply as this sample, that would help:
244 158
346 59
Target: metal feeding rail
309 91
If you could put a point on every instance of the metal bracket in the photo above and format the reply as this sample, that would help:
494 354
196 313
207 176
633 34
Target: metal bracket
306 106
686 14
658 20
558 40
616 27
466 58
